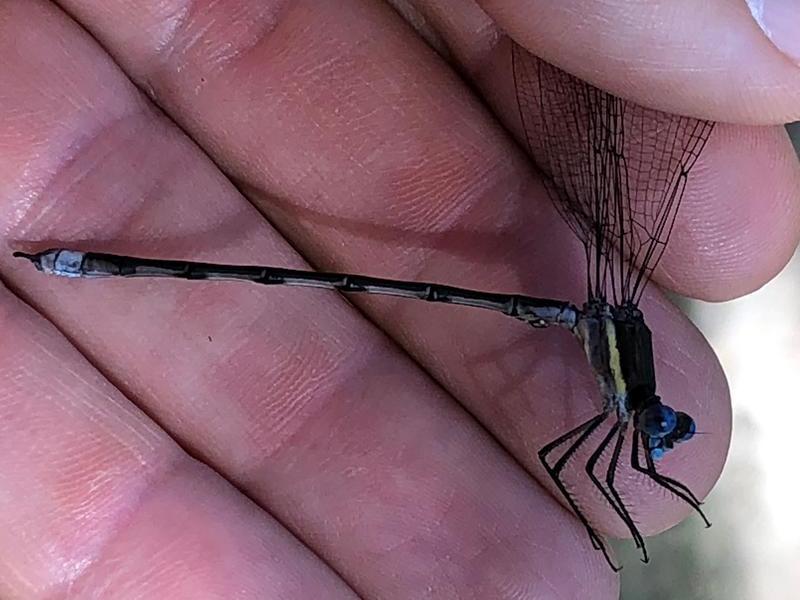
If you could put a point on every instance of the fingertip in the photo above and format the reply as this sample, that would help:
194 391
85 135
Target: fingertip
739 223
708 59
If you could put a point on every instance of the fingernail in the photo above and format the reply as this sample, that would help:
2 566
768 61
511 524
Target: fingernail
780 21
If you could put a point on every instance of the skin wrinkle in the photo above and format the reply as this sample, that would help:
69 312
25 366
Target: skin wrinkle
80 568
150 483
285 424
70 150
168 23
43 197
317 390
416 19
185 40
109 409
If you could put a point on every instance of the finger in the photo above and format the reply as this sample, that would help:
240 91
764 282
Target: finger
294 397
739 223
96 497
708 59
391 163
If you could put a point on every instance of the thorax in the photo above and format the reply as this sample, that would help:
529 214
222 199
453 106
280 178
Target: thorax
618 346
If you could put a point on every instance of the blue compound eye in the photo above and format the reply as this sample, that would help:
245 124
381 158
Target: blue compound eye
655 448
658 421
685 428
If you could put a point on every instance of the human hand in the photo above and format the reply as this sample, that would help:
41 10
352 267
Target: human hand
363 149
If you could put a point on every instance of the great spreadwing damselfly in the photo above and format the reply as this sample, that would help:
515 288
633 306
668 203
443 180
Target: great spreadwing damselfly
616 172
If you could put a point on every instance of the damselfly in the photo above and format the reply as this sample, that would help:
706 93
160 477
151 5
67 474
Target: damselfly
616 173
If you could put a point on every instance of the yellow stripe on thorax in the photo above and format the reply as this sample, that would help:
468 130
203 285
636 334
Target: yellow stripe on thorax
613 357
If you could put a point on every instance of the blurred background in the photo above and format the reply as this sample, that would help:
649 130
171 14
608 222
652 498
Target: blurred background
753 550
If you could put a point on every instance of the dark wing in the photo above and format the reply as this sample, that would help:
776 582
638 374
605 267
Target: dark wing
616 171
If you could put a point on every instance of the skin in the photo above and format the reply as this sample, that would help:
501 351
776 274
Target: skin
180 440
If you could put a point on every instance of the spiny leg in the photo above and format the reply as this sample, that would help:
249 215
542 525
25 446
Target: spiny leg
592 463
651 466
611 475
676 487
611 495
554 472
585 430
671 485
674 482
650 470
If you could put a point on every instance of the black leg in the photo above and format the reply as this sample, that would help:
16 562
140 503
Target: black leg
674 482
669 484
610 494
611 475
584 430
